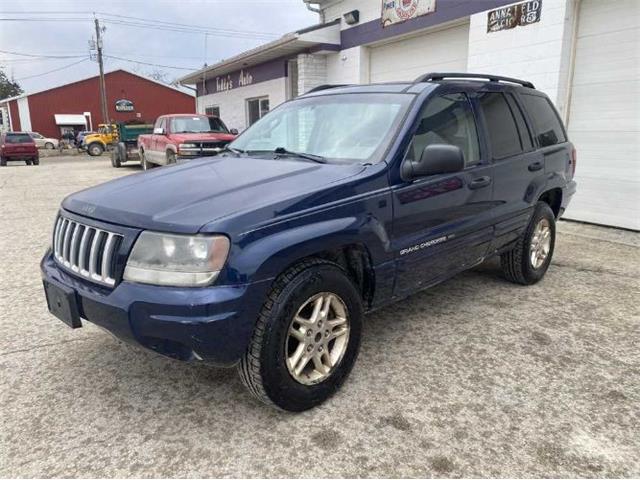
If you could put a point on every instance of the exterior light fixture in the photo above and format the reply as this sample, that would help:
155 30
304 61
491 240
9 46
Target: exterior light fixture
352 17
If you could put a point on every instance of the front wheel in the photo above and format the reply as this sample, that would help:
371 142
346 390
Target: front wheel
49 146
95 149
529 260
306 339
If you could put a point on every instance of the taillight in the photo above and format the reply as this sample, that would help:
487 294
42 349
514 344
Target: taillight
574 159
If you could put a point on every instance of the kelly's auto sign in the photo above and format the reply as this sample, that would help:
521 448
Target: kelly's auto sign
396 11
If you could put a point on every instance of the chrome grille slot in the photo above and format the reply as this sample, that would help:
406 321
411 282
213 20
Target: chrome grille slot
86 250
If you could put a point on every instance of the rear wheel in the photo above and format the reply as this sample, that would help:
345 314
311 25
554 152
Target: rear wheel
95 149
35 161
527 263
28 161
146 164
306 339
3 162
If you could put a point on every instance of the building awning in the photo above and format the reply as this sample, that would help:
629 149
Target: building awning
70 119
322 38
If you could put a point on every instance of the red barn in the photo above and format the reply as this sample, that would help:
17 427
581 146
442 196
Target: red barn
76 106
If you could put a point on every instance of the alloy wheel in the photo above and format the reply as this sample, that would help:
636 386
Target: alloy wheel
540 243
317 338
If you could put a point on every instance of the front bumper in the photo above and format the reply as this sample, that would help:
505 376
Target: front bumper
212 324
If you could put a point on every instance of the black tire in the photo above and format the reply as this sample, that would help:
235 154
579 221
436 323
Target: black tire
3 162
115 158
95 149
171 158
28 161
35 161
49 146
146 164
516 263
263 368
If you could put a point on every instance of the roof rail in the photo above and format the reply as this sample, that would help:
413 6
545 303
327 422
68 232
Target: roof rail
492 78
328 86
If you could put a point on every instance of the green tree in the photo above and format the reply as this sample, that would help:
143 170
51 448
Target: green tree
8 88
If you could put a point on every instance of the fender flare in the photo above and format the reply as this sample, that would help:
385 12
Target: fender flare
268 256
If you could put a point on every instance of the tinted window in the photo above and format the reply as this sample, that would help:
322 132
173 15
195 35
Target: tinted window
18 138
503 133
545 120
447 119
525 135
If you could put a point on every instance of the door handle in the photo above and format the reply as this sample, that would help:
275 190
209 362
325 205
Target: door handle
536 166
480 182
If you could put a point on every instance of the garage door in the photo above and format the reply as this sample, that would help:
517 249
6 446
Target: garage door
406 59
604 118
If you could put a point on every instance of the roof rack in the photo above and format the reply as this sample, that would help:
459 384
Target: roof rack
492 78
319 88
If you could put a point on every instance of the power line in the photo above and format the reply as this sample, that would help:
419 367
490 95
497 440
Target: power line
113 57
52 71
38 55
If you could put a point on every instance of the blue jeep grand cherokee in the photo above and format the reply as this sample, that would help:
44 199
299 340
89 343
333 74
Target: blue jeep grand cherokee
336 203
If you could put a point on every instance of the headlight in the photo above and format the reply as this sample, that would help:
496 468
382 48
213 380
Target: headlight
187 145
176 260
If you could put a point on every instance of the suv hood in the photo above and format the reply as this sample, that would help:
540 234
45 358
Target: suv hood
185 197
202 137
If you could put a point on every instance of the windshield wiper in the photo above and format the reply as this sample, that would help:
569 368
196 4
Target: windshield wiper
307 156
237 151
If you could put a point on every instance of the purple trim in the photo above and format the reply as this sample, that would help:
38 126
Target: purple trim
253 74
446 10
325 47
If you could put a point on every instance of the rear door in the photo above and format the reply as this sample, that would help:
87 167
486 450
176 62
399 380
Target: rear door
518 167
442 223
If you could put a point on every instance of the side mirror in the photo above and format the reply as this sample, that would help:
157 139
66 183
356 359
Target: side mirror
158 131
234 131
435 159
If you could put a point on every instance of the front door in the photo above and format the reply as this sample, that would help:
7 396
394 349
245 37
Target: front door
442 223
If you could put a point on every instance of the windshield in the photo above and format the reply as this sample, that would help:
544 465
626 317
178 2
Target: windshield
353 128
197 125
18 138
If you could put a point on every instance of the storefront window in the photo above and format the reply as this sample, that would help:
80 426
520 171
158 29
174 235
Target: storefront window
257 108
212 111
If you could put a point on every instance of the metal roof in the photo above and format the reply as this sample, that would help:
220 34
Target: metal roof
287 45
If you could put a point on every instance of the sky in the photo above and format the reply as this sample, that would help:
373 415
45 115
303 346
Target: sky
233 26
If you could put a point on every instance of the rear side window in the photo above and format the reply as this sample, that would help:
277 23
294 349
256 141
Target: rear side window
503 132
545 120
18 138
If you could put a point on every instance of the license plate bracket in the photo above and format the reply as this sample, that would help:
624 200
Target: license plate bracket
63 303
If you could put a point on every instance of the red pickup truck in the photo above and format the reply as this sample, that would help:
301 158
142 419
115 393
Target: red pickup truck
183 136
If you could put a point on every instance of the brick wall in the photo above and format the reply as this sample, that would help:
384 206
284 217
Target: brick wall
312 72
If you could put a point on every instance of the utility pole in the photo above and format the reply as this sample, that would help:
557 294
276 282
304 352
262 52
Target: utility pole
103 86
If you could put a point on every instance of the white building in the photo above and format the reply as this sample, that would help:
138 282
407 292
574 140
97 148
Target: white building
585 54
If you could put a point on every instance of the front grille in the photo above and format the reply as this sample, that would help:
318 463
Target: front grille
86 251
212 144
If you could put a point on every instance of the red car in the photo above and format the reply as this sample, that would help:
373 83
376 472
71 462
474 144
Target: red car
18 146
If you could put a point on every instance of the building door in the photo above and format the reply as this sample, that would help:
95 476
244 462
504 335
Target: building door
406 59
604 122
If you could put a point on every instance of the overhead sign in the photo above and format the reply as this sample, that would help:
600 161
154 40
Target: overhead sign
521 14
231 81
124 105
397 11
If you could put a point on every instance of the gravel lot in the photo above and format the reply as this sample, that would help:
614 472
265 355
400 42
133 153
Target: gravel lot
476 377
